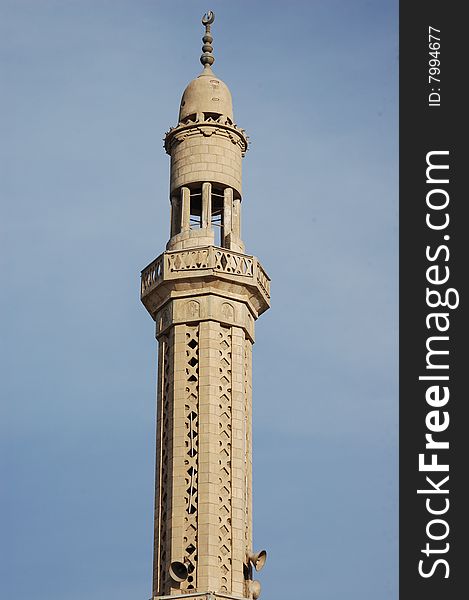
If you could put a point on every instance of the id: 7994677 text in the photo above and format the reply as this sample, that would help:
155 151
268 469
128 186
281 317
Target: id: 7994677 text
434 71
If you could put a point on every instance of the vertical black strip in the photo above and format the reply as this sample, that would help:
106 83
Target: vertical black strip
430 254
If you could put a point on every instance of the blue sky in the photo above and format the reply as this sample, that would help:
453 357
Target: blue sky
88 89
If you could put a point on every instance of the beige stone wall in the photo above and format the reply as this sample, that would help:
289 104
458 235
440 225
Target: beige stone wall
247 467
198 158
203 489
201 271
191 238
163 481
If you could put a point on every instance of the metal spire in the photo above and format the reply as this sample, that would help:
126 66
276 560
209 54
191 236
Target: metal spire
207 58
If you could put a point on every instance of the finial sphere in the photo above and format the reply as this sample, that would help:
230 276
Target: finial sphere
207 58
208 18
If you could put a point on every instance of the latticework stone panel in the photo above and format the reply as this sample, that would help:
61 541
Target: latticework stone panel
225 444
247 451
191 417
162 549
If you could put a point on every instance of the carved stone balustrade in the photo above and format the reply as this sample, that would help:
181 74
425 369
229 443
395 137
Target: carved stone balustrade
209 270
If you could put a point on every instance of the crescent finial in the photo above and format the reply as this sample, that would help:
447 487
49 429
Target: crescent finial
207 58
208 18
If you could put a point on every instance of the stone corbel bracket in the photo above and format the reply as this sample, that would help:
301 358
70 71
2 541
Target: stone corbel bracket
204 284
206 127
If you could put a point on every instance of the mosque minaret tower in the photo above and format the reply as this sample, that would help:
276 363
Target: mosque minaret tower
205 293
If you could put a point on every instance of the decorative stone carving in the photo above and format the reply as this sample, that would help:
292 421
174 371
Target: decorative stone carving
165 317
191 415
227 311
224 508
162 518
243 277
206 128
152 276
192 309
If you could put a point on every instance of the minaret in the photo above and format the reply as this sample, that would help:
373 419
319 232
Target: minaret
204 294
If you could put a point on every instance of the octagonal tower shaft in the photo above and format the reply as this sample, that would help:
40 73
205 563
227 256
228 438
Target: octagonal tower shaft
204 294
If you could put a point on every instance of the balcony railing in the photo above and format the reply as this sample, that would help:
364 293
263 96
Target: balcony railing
171 264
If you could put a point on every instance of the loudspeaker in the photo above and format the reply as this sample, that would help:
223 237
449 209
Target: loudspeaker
258 560
178 571
255 588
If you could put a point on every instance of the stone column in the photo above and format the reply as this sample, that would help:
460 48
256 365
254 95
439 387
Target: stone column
206 205
227 215
186 208
237 218
172 227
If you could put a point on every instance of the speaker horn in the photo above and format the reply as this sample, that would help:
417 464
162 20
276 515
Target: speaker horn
258 560
178 571
255 589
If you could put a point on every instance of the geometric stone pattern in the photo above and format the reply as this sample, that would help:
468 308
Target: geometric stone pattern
191 414
206 307
203 492
247 496
226 262
162 548
174 264
225 516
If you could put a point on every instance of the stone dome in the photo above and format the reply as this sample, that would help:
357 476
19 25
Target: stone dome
206 94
